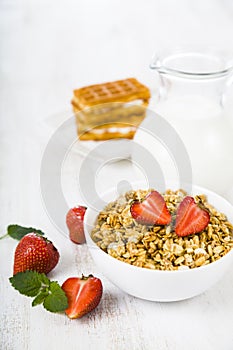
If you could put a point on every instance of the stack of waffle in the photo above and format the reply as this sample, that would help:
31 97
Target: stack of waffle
111 110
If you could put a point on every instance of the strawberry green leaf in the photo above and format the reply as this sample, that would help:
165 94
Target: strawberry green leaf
18 232
57 299
29 282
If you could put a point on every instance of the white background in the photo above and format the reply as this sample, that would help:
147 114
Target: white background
48 48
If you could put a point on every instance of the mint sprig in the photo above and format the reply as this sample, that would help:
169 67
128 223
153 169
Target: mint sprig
46 292
18 232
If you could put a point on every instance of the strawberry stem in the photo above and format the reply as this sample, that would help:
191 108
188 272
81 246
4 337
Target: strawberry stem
1 237
84 278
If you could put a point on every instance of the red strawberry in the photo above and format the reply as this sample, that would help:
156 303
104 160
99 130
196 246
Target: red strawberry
153 210
74 221
36 253
83 295
190 218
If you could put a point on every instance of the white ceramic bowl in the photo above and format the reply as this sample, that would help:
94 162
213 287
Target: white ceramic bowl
159 285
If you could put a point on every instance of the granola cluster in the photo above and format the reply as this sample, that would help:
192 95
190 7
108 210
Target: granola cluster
159 247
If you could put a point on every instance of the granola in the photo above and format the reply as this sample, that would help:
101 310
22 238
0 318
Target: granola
158 247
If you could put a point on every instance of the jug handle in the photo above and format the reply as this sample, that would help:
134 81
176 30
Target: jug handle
227 86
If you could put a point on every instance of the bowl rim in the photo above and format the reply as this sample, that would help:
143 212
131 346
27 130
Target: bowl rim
137 268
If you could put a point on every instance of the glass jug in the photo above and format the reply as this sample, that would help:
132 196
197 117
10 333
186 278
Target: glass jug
192 91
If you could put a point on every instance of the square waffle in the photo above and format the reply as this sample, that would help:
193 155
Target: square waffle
110 110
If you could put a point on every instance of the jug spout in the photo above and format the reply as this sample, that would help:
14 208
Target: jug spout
156 64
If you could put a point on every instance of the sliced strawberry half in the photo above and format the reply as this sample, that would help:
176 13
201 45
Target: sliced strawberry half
190 218
153 210
83 295
74 222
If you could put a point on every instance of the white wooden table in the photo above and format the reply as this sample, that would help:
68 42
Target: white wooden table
47 49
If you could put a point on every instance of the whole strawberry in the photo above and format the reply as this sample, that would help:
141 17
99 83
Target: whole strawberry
35 253
74 222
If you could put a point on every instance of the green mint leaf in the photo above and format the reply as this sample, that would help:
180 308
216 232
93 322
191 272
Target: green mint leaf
44 280
57 299
29 282
39 299
18 232
34 284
